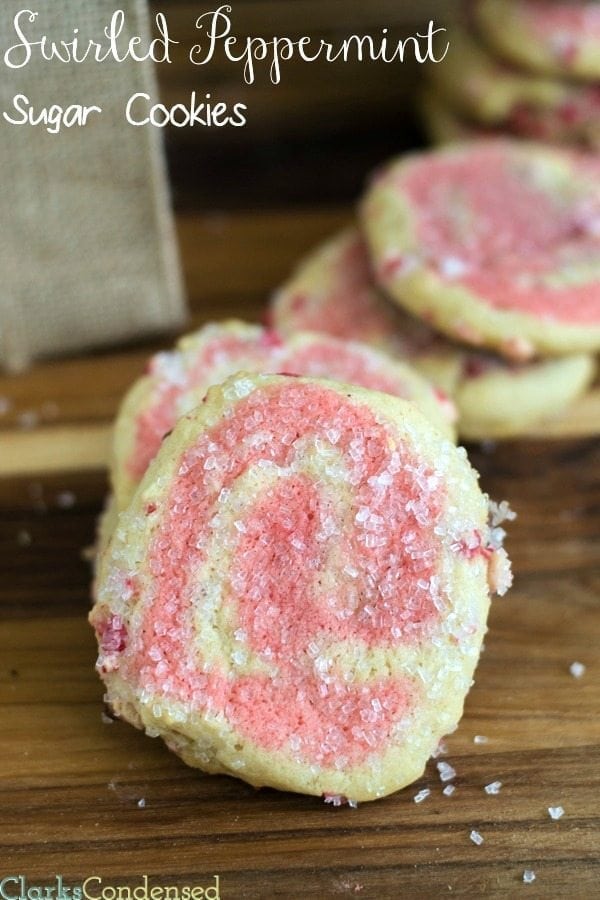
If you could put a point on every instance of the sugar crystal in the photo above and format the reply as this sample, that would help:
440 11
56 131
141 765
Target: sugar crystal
493 788
577 669
446 772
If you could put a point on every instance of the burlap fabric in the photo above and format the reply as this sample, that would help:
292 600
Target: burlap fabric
87 246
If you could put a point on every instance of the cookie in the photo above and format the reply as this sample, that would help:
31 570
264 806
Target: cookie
353 362
494 398
298 593
172 380
177 381
556 37
484 90
333 291
575 122
495 243
497 400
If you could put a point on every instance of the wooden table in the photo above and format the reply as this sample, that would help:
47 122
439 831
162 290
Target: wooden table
72 780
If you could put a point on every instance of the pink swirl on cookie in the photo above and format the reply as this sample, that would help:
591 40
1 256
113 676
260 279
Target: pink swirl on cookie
217 350
516 232
334 292
386 590
562 24
304 590
344 297
177 381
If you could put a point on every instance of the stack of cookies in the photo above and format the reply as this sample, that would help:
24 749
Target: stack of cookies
295 570
528 68
478 264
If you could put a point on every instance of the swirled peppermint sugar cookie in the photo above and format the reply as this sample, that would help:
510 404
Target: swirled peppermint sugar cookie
333 291
488 91
177 381
497 243
298 592
558 37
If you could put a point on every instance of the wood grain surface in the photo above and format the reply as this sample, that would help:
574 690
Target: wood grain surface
71 780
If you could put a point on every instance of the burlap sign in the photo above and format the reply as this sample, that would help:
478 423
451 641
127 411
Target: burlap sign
87 246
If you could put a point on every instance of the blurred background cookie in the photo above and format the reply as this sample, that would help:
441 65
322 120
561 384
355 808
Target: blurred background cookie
556 37
494 243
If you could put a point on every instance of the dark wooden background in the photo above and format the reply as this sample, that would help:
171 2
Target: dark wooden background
312 137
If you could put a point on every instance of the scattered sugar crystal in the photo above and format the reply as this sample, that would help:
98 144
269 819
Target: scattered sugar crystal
141 803
556 812
65 500
422 795
353 804
496 537
334 799
493 788
476 838
577 669
440 750
528 876
449 790
480 739
500 512
446 772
